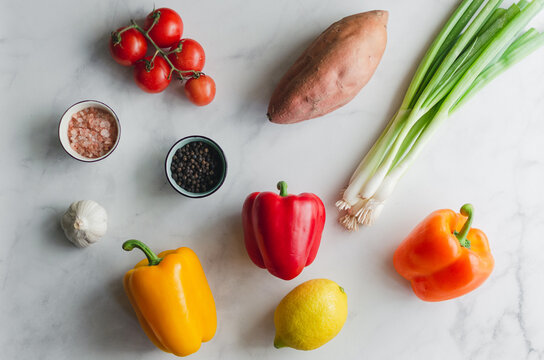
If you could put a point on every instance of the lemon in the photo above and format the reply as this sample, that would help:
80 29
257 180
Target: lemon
310 315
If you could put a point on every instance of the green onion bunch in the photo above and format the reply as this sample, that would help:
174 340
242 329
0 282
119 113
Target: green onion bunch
480 41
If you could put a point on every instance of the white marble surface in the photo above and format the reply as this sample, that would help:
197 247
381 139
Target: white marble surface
59 302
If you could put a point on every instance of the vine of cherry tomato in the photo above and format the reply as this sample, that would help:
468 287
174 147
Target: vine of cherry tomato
191 56
152 76
168 28
173 56
201 90
129 47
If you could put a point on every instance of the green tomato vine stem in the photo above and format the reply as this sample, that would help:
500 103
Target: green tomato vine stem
116 35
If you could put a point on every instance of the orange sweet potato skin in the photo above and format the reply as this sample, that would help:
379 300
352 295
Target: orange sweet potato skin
332 70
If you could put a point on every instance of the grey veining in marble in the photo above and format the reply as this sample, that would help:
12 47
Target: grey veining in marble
59 302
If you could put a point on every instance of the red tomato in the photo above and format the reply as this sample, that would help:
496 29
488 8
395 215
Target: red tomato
154 80
128 47
200 91
167 31
191 56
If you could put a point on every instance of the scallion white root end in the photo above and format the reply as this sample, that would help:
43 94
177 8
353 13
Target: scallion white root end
364 212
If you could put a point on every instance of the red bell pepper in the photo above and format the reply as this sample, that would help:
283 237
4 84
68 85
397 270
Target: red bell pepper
282 232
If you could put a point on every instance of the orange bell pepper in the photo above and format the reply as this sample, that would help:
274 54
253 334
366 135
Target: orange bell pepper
443 257
171 298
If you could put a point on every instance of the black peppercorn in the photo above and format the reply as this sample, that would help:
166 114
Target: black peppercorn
197 167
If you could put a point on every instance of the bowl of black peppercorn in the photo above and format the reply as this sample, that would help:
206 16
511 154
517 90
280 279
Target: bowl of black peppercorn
196 166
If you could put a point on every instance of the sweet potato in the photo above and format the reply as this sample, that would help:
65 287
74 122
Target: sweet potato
332 70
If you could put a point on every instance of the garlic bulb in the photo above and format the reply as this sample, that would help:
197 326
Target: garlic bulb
84 222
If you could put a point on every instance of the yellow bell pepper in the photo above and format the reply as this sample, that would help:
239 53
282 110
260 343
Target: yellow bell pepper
172 299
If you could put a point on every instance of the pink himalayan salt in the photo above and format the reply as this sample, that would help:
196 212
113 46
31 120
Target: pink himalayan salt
92 132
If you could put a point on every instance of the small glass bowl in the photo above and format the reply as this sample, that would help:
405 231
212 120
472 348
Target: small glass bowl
65 120
181 143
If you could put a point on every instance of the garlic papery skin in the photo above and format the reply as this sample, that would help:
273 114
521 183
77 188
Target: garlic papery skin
84 223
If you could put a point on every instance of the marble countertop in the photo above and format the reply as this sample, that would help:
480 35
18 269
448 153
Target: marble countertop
60 302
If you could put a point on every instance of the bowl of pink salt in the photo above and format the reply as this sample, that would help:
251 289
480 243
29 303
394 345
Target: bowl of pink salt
89 130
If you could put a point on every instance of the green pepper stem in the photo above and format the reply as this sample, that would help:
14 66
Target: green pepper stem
282 187
151 257
468 211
